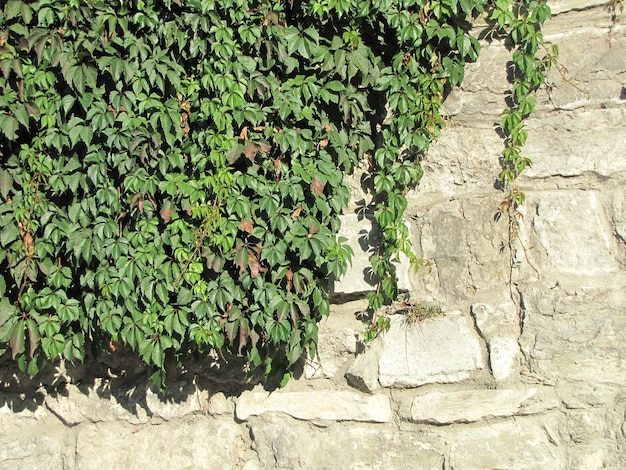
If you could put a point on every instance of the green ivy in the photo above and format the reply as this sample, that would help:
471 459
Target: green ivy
172 171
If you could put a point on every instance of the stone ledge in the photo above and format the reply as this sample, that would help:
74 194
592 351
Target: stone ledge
313 405
468 405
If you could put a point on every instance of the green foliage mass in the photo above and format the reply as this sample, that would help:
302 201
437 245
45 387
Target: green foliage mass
172 171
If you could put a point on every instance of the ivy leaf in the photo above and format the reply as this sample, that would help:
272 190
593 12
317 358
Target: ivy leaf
317 187
6 183
33 336
247 226
17 338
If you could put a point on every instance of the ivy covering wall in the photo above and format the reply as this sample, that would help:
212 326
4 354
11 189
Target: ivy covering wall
171 172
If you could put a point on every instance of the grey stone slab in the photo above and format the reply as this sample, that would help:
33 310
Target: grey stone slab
466 406
514 445
316 405
441 350
202 443
282 442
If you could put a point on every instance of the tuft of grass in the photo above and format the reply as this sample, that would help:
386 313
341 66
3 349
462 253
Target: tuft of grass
417 312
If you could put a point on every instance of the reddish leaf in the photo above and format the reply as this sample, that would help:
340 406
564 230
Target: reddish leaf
241 260
230 329
317 187
250 151
289 280
243 335
166 214
33 336
247 226
253 264
296 213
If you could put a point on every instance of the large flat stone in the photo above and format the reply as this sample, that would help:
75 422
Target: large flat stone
191 444
442 350
516 445
283 442
313 405
572 233
75 406
468 405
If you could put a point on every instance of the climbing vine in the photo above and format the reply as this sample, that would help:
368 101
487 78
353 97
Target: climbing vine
172 172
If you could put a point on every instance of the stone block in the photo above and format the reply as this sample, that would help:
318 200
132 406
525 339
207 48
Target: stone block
573 232
514 445
219 404
196 444
362 236
363 373
316 405
74 407
441 350
499 326
467 406
503 357
334 348
180 399
282 442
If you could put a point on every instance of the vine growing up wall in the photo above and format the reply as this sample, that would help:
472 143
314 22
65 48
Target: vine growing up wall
172 172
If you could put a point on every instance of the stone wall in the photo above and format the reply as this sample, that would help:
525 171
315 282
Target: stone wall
525 369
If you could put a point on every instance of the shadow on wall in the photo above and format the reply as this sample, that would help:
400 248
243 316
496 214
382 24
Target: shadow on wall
121 378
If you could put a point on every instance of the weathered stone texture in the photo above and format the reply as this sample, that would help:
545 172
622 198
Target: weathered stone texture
441 350
193 444
316 405
468 405
279 443
518 444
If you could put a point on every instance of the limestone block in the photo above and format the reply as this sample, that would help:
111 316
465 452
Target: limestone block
198 444
499 326
219 404
311 405
467 406
363 373
619 213
559 145
442 350
335 347
181 399
496 319
362 237
573 231
283 442
561 6
514 445
503 357
74 407
23 452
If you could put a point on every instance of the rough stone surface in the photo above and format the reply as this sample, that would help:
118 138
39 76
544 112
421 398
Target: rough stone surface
499 326
358 446
323 405
192 444
363 373
181 400
520 444
443 350
468 405
73 406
